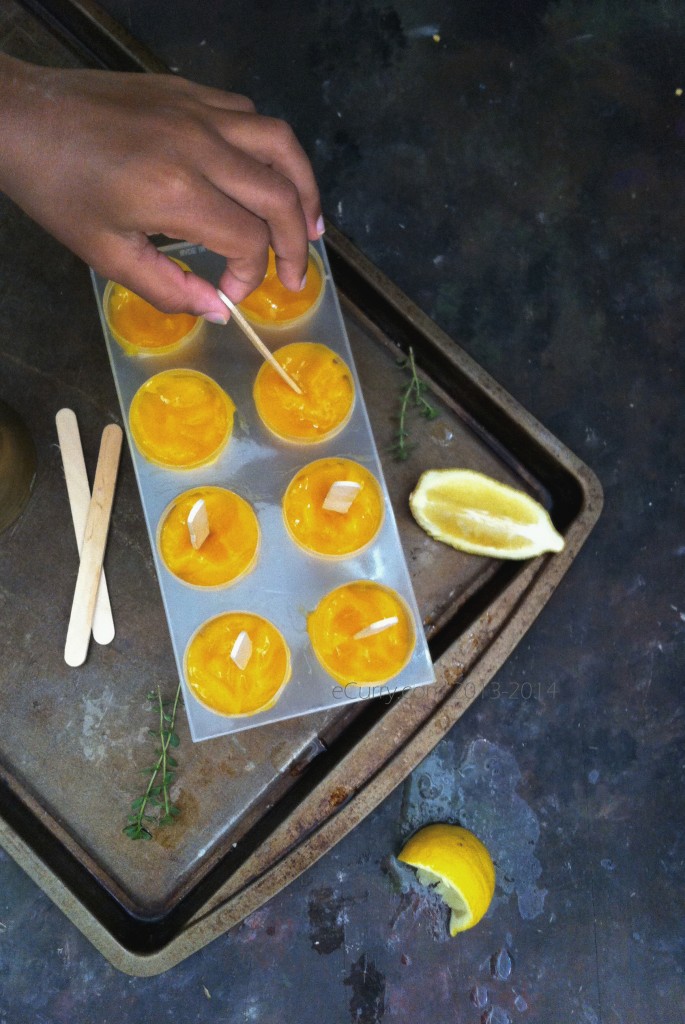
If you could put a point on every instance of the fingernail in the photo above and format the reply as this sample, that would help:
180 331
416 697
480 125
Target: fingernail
303 282
320 226
215 318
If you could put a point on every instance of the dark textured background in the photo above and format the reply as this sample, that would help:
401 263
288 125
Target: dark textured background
521 178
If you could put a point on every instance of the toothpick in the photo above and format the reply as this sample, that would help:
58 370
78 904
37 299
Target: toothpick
241 651
258 343
198 524
376 627
341 495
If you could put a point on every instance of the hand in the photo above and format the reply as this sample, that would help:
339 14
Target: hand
103 160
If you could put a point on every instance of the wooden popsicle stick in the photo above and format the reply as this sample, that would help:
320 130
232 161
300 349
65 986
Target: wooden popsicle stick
341 495
241 651
78 491
94 543
198 524
376 627
258 343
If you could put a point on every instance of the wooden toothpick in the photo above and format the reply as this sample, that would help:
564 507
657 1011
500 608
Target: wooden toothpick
258 343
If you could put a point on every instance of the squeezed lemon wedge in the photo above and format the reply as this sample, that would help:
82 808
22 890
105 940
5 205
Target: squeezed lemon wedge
474 513
457 863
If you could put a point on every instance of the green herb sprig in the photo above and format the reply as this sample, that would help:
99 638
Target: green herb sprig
155 806
411 396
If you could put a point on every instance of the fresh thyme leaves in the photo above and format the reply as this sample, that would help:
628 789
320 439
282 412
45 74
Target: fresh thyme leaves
155 806
411 395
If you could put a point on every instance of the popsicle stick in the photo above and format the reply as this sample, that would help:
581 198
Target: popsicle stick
242 650
376 627
93 550
341 495
258 343
198 524
78 491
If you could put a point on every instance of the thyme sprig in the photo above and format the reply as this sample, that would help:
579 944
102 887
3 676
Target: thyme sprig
155 806
411 396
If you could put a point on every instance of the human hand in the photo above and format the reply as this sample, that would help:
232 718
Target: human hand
103 160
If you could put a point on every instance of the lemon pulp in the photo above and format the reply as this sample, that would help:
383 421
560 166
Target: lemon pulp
457 863
219 683
230 550
327 398
326 532
344 612
274 305
181 419
475 513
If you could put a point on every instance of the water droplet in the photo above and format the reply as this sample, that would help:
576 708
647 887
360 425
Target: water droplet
593 776
520 1004
608 864
501 965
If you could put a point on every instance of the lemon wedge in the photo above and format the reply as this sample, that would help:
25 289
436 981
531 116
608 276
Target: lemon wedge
455 861
477 514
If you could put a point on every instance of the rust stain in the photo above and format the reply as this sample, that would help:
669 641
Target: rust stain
338 796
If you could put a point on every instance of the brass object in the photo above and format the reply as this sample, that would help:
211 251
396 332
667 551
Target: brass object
17 466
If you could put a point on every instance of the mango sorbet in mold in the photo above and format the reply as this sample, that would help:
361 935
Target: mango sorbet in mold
181 419
326 402
218 682
227 554
343 614
273 305
334 532
140 328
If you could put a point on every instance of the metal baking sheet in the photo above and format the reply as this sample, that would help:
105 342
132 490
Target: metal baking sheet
260 806
286 583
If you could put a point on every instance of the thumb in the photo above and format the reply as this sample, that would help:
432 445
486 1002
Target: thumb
161 281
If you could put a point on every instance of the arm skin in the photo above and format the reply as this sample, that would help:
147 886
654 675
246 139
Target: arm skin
103 160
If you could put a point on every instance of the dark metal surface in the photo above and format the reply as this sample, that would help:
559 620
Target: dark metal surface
548 242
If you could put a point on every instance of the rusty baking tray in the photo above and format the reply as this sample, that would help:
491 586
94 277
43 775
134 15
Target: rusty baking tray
258 808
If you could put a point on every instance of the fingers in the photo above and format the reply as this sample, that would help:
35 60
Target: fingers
137 264
273 143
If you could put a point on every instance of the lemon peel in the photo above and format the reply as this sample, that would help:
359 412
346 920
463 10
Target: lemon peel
458 865
477 514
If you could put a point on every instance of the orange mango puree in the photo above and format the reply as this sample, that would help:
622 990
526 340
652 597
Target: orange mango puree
346 611
327 532
228 553
216 680
327 398
138 327
273 305
181 419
